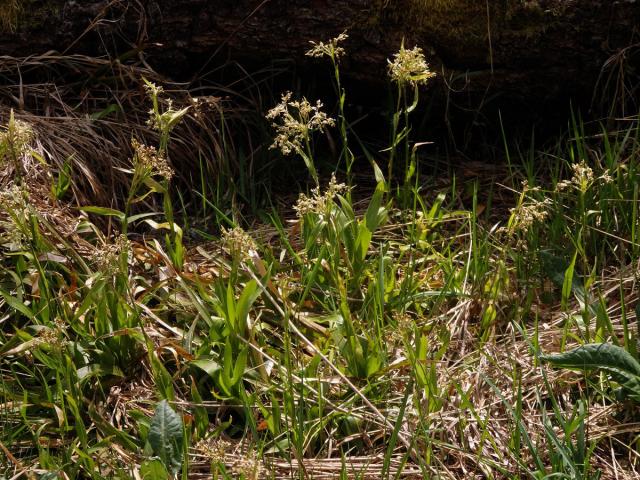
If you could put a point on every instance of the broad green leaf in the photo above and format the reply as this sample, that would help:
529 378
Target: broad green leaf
200 414
249 295
140 216
238 369
107 212
231 307
16 304
555 268
207 365
162 377
362 243
567 284
154 185
96 370
377 172
435 208
174 117
166 436
374 362
416 95
153 470
375 212
612 359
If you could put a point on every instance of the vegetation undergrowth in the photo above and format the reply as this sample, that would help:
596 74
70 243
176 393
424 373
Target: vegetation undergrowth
401 334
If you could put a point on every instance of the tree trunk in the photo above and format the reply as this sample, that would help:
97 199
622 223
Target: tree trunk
536 51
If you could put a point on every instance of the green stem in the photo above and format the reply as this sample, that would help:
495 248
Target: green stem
345 153
394 133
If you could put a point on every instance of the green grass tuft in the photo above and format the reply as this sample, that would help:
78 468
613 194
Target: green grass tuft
397 331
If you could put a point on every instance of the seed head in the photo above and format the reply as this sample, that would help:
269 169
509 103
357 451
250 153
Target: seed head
294 120
214 451
583 178
14 199
526 215
14 140
238 242
162 120
409 67
528 212
249 467
53 337
318 202
150 161
107 257
152 89
330 49
201 106
15 212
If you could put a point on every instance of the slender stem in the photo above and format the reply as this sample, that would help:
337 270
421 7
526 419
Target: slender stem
345 153
394 132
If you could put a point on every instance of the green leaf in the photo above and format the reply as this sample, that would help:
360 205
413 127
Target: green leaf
362 243
161 376
614 360
153 470
567 284
250 293
158 226
227 369
62 184
375 212
107 212
111 108
140 216
200 414
377 172
154 185
238 369
50 475
209 366
17 305
416 95
231 307
166 436
174 117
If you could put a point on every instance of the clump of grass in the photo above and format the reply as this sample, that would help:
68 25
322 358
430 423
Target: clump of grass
350 338
9 12
88 131
294 120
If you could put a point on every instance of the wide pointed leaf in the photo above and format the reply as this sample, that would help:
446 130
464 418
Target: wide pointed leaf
612 359
166 436
153 470
376 213
107 212
249 295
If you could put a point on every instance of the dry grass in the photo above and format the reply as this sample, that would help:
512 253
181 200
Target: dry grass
9 11
461 423
92 117
470 433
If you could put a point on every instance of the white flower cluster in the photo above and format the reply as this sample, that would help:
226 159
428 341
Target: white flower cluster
318 202
294 120
410 67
